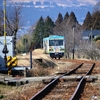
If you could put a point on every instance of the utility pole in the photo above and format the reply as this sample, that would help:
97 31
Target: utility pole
41 38
91 37
25 44
73 41
5 50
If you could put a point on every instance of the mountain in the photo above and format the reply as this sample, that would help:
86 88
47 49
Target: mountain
32 11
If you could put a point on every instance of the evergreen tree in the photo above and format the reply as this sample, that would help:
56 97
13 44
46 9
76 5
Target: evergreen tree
96 20
87 24
38 33
66 17
72 19
59 19
48 27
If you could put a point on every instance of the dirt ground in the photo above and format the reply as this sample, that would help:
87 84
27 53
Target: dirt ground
24 92
24 59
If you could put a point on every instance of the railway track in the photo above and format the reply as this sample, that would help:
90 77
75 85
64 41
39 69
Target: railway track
59 89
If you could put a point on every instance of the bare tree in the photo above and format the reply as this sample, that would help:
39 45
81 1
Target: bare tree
66 30
1 22
14 21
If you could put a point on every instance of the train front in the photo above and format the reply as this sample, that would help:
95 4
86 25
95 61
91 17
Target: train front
56 46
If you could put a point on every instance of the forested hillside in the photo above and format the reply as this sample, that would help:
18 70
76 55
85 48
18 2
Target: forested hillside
64 26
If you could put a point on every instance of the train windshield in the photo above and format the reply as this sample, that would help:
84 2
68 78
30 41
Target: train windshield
55 42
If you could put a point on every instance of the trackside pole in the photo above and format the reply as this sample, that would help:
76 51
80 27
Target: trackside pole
5 50
30 59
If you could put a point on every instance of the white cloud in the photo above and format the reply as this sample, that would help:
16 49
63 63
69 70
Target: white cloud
40 6
92 2
60 2
19 1
28 1
63 5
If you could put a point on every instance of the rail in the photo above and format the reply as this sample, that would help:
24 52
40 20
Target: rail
76 95
51 85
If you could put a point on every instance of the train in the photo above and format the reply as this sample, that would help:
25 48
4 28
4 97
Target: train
54 45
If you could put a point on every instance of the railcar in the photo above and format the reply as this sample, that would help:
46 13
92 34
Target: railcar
54 45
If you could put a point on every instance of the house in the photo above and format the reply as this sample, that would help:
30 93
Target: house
86 34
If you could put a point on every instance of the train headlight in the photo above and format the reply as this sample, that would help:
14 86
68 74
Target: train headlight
61 49
50 49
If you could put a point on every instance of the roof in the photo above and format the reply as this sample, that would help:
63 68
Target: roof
54 37
88 32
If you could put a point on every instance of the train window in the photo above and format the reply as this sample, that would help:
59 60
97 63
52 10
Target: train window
55 42
60 42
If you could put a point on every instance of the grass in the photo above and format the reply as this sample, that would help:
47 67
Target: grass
6 90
